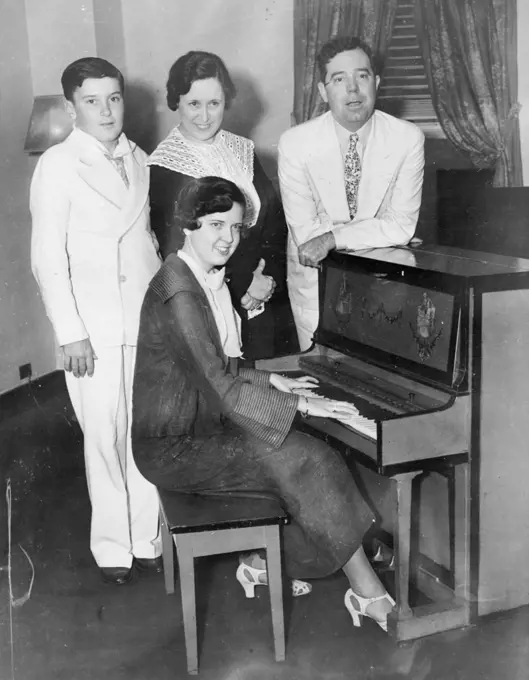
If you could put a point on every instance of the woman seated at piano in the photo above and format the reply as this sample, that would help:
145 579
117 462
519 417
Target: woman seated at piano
199 425
200 89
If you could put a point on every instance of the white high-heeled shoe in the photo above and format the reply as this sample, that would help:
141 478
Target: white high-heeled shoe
248 577
364 603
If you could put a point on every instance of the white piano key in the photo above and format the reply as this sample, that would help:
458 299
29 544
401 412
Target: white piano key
363 425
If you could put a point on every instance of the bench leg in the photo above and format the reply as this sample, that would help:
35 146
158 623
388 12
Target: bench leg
168 556
186 568
275 585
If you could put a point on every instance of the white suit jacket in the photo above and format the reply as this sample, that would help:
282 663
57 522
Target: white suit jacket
311 176
92 250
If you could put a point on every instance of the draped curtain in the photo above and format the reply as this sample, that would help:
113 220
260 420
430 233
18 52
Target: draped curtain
469 49
315 22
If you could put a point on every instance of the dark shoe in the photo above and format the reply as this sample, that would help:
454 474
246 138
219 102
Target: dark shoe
118 576
153 565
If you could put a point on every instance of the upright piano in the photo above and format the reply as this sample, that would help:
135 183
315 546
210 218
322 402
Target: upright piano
430 344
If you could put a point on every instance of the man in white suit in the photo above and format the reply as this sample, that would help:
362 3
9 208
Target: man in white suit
93 254
350 179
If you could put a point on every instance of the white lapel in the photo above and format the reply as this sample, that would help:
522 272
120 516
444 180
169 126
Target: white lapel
378 168
96 170
325 164
137 195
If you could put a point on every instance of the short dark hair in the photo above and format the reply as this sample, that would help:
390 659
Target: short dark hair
205 196
193 66
78 71
342 44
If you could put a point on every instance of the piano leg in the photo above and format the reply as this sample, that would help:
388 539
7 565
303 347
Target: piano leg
402 549
462 535
441 613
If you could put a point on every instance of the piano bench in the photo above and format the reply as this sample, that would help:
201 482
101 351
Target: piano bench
211 525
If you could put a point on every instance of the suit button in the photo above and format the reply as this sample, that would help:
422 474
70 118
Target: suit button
122 278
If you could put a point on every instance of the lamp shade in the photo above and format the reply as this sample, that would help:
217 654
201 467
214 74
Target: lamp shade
49 123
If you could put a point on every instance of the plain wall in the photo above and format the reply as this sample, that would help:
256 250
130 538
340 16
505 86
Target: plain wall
108 28
59 31
25 334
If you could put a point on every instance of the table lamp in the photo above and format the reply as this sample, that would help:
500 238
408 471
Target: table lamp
49 123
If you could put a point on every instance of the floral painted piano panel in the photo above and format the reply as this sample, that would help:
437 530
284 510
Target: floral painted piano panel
404 320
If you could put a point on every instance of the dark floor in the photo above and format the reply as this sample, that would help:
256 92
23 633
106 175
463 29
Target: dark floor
74 627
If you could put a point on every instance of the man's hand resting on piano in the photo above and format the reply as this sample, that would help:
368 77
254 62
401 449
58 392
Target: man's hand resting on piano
312 252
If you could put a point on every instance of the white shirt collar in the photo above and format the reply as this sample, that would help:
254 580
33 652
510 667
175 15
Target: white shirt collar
211 280
123 146
226 318
344 134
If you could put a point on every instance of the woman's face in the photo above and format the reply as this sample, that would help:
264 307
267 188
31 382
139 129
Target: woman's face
201 110
217 238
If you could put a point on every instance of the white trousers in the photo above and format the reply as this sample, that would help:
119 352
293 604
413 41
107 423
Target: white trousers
306 321
125 509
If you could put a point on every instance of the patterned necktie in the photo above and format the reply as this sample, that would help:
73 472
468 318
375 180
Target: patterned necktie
119 163
352 173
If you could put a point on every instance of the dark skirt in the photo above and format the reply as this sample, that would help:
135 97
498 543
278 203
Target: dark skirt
328 515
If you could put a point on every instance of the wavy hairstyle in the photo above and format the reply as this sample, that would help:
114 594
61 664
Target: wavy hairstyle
205 196
343 44
193 66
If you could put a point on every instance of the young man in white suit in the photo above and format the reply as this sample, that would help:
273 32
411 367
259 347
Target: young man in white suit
343 192
93 254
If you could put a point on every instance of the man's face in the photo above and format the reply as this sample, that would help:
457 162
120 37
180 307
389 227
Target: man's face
350 88
98 109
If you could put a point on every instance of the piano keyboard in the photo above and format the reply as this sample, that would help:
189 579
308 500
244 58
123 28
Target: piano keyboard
357 422
360 424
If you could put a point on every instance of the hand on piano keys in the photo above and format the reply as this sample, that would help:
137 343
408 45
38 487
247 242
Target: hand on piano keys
343 411
284 384
321 407
318 406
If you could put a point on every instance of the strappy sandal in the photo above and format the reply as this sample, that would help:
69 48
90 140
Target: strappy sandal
249 577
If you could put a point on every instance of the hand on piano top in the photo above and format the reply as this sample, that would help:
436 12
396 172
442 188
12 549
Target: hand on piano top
312 252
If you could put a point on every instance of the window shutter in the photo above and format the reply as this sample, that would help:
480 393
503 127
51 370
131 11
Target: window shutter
404 89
